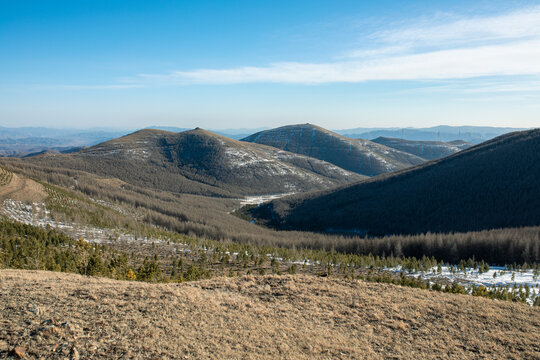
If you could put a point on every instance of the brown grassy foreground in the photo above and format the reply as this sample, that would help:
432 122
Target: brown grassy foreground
57 315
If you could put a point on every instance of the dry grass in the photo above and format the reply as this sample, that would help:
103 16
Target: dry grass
22 189
293 317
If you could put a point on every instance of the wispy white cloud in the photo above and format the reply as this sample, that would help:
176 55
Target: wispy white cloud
521 58
502 45
377 52
520 24
506 85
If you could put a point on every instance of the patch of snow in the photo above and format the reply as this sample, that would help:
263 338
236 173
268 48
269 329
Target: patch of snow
469 277
256 200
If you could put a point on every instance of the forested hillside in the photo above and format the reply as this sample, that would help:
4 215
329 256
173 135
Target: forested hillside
492 185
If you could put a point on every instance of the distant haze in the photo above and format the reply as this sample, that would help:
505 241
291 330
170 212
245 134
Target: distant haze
27 140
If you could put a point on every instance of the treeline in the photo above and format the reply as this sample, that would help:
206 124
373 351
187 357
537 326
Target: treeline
32 248
28 247
209 218
496 247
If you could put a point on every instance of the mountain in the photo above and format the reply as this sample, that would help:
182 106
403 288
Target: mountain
230 133
491 185
428 150
359 156
472 134
201 162
460 144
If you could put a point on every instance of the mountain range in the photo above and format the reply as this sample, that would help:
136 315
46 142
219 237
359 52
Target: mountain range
360 156
26 140
427 150
472 134
491 185
201 162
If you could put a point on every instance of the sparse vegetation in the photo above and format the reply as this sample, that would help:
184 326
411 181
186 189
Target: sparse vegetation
5 176
258 317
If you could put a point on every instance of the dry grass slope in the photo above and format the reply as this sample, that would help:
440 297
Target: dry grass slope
294 317
13 186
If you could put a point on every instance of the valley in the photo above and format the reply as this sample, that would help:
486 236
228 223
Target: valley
269 180
428 150
105 215
492 185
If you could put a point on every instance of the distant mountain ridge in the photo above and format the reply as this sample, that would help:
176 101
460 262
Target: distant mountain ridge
25 140
445 133
491 185
201 162
359 156
428 150
235 134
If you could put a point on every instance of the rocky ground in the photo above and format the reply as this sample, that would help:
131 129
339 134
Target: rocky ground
55 315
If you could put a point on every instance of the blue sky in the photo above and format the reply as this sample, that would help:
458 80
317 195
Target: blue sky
226 64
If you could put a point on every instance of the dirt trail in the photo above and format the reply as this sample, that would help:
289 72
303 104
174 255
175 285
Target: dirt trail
22 189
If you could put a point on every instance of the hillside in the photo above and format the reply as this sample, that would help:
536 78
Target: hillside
428 150
83 203
491 185
200 162
56 315
20 188
359 156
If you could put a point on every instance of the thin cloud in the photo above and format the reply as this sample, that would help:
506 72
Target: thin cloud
521 58
502 45
521 24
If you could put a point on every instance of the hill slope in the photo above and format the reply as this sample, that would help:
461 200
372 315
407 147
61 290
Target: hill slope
254 317
360 156
201 162
492 185
428 150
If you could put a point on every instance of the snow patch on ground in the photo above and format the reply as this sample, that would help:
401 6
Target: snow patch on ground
256 200
469 277
37 214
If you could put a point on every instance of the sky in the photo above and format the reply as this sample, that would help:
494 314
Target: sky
247 64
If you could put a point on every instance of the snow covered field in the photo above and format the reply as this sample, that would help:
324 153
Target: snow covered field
259 199
495 276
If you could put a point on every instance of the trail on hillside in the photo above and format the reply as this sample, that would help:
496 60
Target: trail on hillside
22 189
